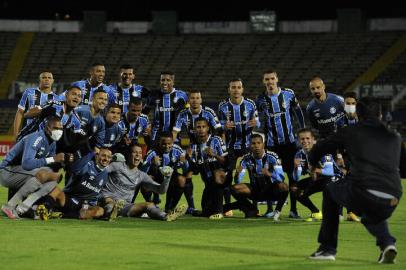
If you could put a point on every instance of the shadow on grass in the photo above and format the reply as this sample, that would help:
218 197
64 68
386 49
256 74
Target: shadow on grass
296 258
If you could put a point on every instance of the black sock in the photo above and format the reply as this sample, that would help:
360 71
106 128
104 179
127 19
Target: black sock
188 190
227 195
269 206
231 206
147 195
176 195
50 203
281 201
156 199
293 207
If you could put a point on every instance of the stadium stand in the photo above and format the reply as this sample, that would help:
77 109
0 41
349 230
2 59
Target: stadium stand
7 43
207 62
394 73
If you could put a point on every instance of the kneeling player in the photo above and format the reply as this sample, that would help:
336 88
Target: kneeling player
208 157
124 178
167 154
326 172
266 180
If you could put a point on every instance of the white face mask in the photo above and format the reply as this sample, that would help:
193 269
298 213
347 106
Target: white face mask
349 108
56 134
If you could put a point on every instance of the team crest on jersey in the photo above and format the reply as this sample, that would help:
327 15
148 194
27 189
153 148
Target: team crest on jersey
135 94
317 115
284 105
94 129
112 137
139 129
101 182
245 114
173 159
333 110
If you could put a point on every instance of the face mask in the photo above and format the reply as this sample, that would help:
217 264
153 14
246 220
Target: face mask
349 108
56 134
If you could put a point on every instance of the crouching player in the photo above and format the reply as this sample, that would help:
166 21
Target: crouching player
124 178
79 197
266 181
327 171
25 168
167 154
208 157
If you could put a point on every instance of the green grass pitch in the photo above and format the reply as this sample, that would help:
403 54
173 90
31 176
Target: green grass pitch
188 243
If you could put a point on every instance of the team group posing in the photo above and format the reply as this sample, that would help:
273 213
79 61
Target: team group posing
90 123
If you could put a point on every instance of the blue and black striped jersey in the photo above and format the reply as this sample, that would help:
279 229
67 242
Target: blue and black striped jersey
34 97
122 96
171 159
187 119
277 111
239 136
327 116
70 120
204 163
134 129
87 91
167 107
269 161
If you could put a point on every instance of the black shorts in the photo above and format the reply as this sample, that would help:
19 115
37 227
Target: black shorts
72 207
264 191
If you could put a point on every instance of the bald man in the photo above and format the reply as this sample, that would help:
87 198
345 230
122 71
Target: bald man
325 110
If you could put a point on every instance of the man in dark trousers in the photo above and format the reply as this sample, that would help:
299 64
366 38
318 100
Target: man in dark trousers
372 189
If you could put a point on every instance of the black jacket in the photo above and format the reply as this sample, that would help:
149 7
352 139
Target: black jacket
376 154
